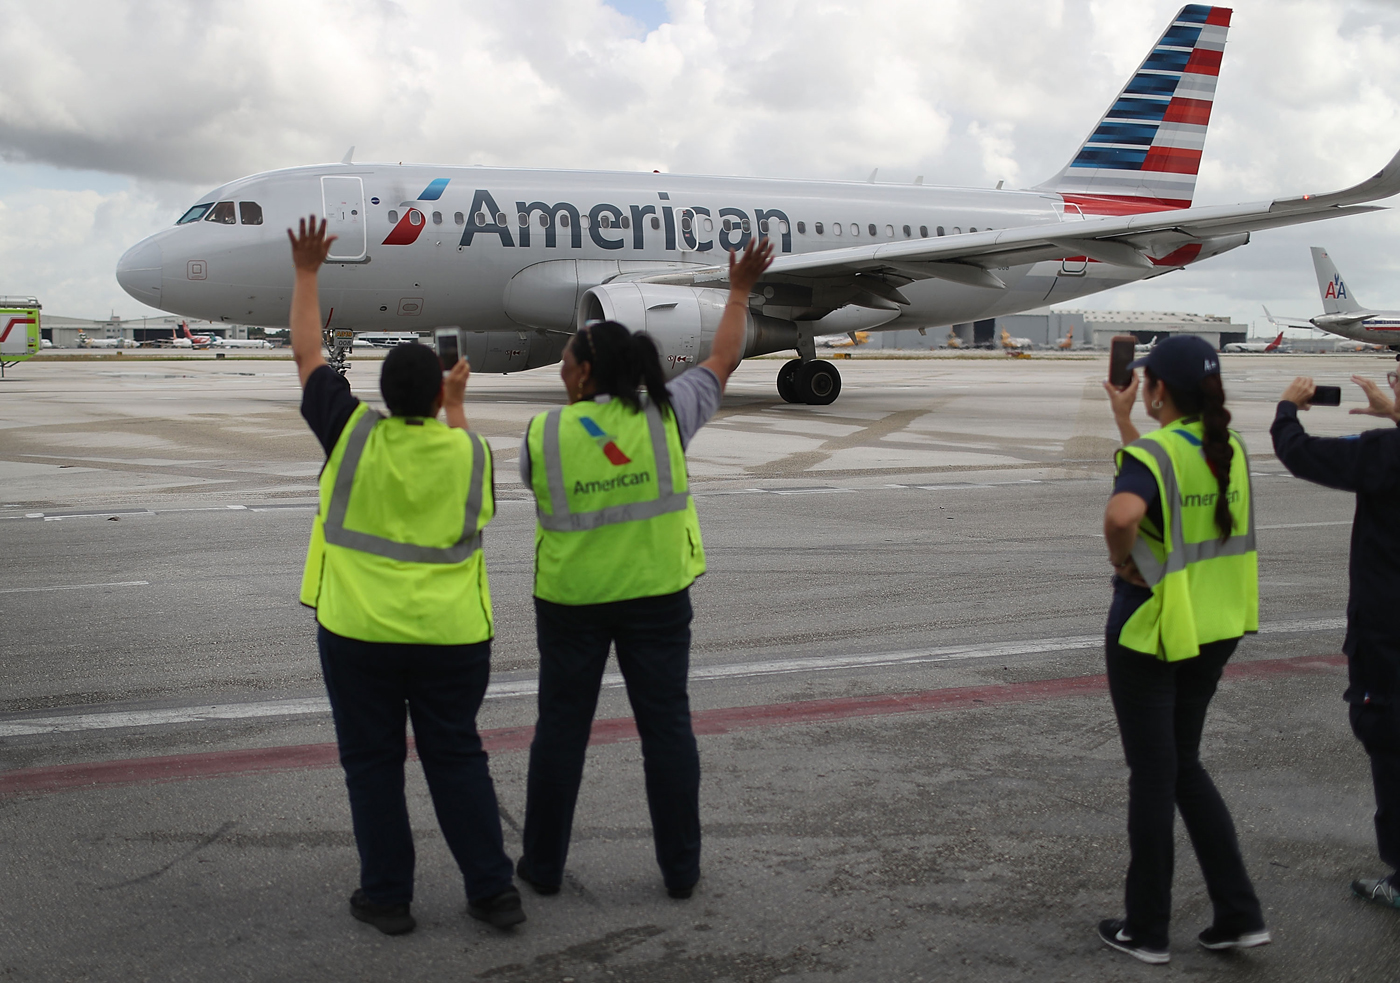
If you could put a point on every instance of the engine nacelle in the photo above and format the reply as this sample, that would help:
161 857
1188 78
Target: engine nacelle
681 320
512 351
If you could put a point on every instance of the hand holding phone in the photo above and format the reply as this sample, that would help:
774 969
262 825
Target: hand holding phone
1327 396
449 346
1121 351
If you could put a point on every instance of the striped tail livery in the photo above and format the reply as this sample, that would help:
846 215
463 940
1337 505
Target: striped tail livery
1144 154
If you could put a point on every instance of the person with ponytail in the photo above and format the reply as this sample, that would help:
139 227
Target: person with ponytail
1180 534
617 546
1367 464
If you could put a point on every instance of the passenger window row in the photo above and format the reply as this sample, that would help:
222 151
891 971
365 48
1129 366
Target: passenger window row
222 213
872 230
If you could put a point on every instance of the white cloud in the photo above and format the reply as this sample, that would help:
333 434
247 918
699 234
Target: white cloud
180 97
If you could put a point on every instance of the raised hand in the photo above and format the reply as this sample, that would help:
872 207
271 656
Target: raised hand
309 249
745 270
1377 402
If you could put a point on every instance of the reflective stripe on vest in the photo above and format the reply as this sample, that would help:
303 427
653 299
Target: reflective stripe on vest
334 526
564 520
1181 553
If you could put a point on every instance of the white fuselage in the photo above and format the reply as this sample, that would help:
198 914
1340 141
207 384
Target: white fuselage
1376 327
405 262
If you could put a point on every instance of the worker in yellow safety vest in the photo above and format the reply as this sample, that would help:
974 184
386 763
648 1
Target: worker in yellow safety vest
617 545
1180 533
396 575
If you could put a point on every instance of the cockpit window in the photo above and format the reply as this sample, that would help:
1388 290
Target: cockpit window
250 212
195 214
222 213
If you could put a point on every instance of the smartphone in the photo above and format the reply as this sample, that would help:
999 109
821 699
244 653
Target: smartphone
1327 396
1121 351
449 346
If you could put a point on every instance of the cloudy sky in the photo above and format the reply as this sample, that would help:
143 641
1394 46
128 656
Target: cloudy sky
116 115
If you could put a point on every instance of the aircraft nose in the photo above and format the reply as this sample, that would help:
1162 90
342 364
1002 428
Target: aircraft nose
138 271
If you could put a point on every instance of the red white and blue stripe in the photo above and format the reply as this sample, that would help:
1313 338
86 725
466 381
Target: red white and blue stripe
1145 153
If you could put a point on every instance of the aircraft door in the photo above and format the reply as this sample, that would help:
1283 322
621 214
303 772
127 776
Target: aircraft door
344 201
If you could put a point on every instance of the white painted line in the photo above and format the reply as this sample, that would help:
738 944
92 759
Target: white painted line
1307 525
30 726
95 515
115 583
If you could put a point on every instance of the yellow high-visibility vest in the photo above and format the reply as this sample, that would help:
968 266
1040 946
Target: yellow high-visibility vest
614 516
395 552
1203 590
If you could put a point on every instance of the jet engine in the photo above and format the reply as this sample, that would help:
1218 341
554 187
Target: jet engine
681 320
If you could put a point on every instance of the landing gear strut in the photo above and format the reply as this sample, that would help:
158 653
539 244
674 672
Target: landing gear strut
815 382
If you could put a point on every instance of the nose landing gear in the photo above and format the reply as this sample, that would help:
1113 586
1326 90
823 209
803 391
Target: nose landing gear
814 382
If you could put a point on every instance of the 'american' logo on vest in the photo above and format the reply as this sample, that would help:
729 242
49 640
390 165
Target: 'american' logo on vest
613 452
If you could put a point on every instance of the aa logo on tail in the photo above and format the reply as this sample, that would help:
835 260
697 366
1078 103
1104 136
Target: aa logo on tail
1336 290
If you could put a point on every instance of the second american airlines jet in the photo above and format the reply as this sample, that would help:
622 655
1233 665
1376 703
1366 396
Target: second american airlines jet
518 258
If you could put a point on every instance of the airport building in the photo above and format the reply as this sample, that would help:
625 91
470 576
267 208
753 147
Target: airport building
1048 328
67 332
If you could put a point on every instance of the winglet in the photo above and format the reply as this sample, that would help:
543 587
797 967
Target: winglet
1382 184
349 157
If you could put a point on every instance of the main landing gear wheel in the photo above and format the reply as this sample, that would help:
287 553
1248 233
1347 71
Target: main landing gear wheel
787 380
818 383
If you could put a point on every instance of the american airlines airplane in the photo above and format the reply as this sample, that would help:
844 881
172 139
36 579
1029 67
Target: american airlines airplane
518 258
1343 314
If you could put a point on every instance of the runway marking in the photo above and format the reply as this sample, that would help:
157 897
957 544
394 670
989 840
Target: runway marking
115 583
507 689
1307 525
726 720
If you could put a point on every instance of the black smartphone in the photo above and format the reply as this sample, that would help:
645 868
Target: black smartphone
449 347
1327 396
1120 352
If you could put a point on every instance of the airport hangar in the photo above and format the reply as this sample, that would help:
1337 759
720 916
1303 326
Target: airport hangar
64 331
1047 327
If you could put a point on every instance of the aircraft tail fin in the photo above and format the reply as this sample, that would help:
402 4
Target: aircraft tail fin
1145 153
1336 298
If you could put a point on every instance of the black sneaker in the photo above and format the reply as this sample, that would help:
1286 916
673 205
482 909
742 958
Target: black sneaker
681 893
1218 940
391 919
1381 891
522 871
501 910
1113 935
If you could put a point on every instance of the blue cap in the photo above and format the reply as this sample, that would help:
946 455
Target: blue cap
1181 361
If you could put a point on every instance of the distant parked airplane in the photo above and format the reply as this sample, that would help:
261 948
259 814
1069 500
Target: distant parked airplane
1343 314
1258 346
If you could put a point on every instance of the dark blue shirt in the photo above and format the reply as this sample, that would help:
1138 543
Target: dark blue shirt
1369 465
1135 478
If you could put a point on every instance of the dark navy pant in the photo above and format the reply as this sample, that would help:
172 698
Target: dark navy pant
1377 726
373 688
1161 708
653 651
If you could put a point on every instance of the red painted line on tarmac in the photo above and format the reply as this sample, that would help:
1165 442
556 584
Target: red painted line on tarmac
726 720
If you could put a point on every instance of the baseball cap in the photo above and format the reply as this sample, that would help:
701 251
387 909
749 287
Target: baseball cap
1181 361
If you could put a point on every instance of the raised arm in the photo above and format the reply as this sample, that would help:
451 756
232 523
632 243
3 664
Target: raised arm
308 253
727 350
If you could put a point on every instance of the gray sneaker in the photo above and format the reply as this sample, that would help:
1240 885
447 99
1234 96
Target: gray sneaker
1380 891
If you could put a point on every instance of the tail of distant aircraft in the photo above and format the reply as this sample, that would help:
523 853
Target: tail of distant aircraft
1145 153
1336 298
1273 346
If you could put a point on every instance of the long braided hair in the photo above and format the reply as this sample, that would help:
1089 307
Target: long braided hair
1207 401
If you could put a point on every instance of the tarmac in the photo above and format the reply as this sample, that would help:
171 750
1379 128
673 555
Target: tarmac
911 769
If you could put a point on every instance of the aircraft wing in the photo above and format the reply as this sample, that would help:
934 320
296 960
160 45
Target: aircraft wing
1147 240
